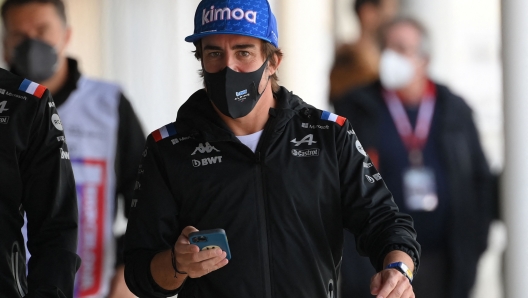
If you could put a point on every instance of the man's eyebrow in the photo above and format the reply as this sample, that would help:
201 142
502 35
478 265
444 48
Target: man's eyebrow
235 47
212 48
243 46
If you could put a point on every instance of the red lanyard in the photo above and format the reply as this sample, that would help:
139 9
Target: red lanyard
413 140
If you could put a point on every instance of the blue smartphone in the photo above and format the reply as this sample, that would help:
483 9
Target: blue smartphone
211 239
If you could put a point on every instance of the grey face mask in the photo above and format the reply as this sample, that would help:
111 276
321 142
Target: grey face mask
35 60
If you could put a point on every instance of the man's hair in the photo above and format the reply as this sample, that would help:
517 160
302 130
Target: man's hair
268 50
359 4
425 42
58 4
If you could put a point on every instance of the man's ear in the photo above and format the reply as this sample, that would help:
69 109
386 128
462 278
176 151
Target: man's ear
273 68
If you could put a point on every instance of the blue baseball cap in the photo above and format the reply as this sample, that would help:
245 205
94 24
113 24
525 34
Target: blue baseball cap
252 18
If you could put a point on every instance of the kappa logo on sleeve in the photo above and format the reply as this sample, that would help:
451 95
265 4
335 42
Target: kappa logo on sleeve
370 179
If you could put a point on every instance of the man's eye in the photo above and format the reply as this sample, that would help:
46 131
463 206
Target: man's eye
244 54
214 54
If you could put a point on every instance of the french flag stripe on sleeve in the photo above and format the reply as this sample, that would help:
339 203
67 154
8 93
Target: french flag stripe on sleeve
32 88
333 117
164 132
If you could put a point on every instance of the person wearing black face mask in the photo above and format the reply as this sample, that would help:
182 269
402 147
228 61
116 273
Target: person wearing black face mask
282 178
103 133
234 93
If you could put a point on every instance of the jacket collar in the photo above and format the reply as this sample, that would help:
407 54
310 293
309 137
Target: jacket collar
198 116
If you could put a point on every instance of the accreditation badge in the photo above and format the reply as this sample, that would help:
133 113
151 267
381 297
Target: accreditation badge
419 189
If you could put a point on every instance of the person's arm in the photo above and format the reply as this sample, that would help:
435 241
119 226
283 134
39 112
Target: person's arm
382 232
154 230
50 202
130 142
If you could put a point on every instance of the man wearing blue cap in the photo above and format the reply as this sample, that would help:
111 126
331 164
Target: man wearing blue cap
281 177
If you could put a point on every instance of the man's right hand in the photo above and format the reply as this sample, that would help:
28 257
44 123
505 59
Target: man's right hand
194 262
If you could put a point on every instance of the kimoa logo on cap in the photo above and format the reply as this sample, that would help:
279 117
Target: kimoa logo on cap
227 13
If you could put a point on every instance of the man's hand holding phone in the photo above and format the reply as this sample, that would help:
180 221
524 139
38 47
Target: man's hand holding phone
194 262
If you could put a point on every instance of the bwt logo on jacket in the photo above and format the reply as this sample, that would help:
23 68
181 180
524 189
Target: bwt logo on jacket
207 161
238 14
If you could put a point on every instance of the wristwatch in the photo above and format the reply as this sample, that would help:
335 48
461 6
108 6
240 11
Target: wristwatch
400 266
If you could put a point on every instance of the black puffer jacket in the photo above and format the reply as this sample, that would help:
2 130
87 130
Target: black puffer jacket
283 207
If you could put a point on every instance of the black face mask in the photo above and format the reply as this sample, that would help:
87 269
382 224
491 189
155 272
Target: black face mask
235 94
35 60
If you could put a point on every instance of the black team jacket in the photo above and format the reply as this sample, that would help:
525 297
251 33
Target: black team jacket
36 178
283 207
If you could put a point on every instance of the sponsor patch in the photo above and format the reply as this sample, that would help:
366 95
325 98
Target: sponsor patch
306 152
64 154
4 119
370 179
32 88
206 161
205 149
360 148
367 165
333 117
307 139
226 13
55 119
377 177
164 132
178 140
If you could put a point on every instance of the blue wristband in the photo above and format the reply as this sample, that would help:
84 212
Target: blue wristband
400 266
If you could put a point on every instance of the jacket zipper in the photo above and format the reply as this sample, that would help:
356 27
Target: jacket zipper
14 266
261 197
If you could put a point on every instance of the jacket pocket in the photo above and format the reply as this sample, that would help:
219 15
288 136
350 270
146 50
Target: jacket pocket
18 267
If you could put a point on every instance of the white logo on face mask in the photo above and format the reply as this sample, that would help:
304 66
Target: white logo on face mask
396 70
226 13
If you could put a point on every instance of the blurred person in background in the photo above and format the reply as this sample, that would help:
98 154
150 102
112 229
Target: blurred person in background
282 178
103 133
357 64
423 139
36 179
